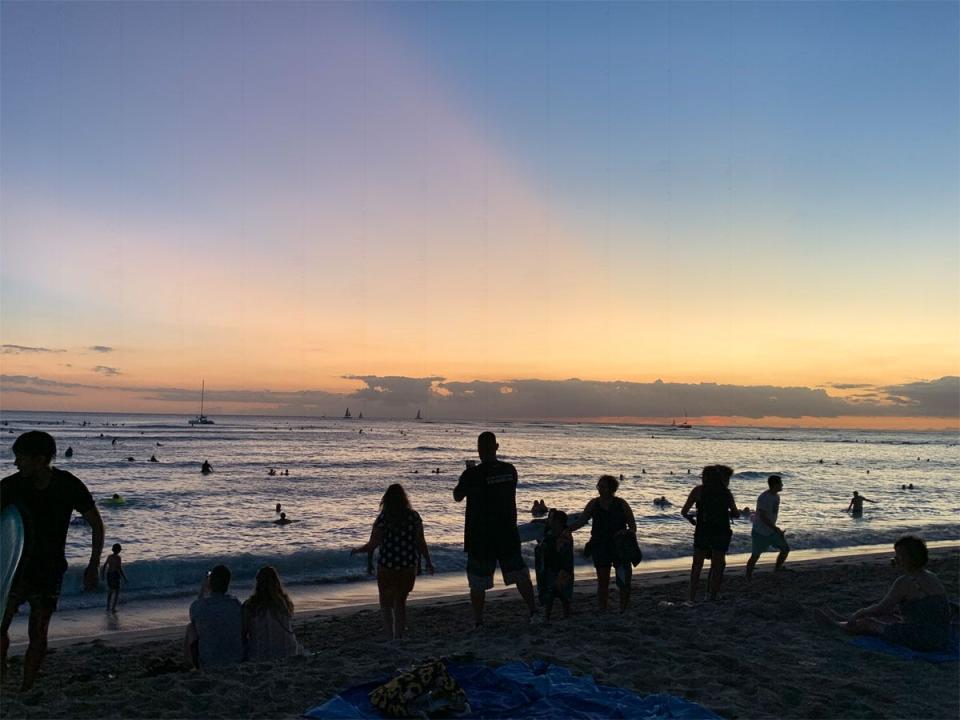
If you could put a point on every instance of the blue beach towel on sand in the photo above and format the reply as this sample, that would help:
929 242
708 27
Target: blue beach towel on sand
537 690
940 656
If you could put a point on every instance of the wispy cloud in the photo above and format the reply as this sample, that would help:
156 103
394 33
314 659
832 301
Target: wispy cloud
100 348
7 349
104 370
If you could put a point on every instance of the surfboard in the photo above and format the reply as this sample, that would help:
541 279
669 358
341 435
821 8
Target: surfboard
533 530
11 547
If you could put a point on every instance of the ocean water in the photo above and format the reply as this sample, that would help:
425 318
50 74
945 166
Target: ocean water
176 523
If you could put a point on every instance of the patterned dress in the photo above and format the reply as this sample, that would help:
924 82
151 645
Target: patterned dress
398 549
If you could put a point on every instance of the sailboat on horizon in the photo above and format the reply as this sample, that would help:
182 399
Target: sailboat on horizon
201 419
347 414
418 417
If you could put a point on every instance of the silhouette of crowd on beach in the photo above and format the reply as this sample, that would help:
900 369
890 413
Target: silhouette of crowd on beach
223 631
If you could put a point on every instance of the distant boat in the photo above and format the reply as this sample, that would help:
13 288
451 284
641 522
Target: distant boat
360 416
418 416
201 419
681 426
347 414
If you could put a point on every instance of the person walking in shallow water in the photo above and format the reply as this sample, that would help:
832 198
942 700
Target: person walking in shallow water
711 538
855 508
765 532
490 534
113 570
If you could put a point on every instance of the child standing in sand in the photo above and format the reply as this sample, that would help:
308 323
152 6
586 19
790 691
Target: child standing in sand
555 564
113 569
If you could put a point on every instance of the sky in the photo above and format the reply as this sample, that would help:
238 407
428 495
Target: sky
315 200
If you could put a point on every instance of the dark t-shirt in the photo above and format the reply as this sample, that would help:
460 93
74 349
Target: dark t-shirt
491 492
46 518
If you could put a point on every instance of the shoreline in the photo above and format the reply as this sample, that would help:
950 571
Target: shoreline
757 653
166 618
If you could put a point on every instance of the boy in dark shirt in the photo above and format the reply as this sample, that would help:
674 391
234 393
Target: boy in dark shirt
46 498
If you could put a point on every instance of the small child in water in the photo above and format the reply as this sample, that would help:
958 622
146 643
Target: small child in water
555 563
113 569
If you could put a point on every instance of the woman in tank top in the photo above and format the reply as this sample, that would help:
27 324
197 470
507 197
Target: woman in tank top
711 537
609 516
914 613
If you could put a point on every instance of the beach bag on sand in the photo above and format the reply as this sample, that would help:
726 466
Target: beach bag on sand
425 691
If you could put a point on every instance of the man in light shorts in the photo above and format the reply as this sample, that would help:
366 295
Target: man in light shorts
765 533
490 534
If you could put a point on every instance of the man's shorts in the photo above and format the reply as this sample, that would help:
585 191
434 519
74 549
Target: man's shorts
481 563
762 542
42 594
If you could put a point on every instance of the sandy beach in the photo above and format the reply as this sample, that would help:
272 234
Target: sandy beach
758 653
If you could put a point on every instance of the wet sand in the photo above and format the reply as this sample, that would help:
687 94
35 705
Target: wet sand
758 653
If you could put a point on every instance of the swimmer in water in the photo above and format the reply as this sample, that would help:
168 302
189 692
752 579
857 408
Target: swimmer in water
278 508
153 458
282 520
206 467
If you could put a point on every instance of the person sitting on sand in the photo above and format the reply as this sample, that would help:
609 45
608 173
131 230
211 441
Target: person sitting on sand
555 564
113 570
268 620
765 532
914 613
282 520
855 508
398 533
711 538
215 634
609 515
539 508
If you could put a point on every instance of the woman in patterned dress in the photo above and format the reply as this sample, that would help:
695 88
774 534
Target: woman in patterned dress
398 533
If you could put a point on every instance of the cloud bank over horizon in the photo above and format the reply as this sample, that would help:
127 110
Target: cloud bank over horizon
439 398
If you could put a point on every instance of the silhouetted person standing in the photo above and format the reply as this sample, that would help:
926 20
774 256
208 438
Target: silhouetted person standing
46 498
490 534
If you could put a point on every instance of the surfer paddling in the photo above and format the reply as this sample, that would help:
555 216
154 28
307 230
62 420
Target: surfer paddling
46 497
